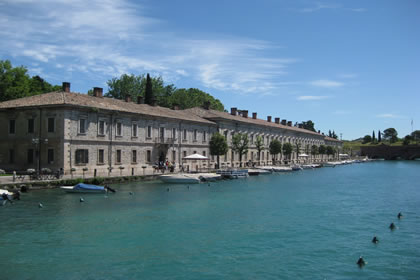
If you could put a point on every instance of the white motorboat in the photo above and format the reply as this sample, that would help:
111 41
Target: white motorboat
179 179
258 171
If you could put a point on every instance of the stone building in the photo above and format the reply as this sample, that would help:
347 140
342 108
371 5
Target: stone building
101 136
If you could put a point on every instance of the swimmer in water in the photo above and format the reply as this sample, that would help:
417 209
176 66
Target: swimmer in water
375 240
392 226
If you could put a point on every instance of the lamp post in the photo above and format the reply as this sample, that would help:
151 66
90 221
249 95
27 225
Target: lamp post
37 142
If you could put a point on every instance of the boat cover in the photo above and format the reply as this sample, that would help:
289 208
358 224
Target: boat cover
82 186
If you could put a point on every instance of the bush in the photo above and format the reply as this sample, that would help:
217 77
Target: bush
2 172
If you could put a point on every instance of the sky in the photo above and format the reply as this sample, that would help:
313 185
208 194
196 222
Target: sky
349 66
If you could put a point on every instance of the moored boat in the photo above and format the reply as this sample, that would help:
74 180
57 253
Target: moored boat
179 179
86 188
233 173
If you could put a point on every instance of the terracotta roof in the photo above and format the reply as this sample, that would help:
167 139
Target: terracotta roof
104 103
214 115
331 139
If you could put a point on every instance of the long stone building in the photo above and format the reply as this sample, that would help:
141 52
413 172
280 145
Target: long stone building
100 136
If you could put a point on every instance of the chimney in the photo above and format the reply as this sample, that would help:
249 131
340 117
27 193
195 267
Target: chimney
269 118
206 105
254 116
319 131
140 100
289 123
97 92
245 113
127 98
277 120
283 122
66 86
233 111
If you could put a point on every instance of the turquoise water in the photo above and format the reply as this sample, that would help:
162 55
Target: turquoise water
311 224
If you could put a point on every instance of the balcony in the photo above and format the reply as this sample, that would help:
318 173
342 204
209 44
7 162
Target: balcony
163 140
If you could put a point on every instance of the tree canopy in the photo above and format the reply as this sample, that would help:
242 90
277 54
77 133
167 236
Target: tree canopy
367 139
390 134
309 125
275 148
165 95
240 144
15 82
218 146
259 145
287 149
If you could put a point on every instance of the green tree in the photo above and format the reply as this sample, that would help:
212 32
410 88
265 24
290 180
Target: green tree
240 145
275 148
407 140
309 125
189 98
148 94
330 151
373 137
391 135
416 135
125 85
314 150
287 150
379 136
218 146
322 150
367 139
259 144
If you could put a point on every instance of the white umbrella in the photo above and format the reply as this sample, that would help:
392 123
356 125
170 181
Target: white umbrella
195 157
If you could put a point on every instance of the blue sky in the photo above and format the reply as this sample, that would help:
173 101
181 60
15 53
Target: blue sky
349 66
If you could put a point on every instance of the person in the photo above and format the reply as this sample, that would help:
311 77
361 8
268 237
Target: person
14 176
375 240
6 197
392 226
361 262
399 215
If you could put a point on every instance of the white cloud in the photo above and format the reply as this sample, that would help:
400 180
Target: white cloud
326 83
389 116
318 7
108 38
311 97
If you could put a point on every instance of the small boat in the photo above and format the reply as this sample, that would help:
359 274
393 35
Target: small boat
5 193
233 173
296 167
85 188
258 171
179 179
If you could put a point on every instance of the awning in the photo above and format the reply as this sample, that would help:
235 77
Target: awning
195 157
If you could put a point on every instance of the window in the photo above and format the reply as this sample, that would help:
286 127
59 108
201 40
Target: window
194 152
101 127
12 126
204 153
82 126
204 136
134 156
134 130
149 131
119 129
30 156
148 156
173 156
51 125
50 156
174 133
184 136
226 134
82 156
11 156
118 159
31 125
195 134
252 156
262 155
185 153
252 139
100 156
162 133
233 156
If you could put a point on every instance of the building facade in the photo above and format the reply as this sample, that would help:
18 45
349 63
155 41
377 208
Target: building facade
81 134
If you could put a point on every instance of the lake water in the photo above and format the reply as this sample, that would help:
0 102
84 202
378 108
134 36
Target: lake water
311 224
